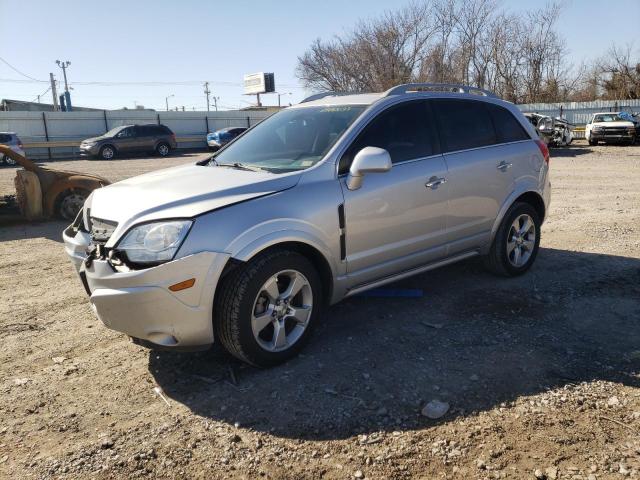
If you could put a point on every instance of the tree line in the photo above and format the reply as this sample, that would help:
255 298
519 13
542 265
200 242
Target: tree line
522 57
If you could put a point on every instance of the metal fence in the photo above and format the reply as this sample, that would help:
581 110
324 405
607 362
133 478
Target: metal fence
579 113
58 134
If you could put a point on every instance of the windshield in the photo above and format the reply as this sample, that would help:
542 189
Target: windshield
609 117
112 132
293 139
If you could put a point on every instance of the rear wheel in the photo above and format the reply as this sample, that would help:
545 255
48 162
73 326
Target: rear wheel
515 245
107 152
163 149
265 310
593 142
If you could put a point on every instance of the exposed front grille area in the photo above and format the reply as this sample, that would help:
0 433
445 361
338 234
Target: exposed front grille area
101 230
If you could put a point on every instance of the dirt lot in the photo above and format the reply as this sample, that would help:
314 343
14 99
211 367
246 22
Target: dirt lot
541 372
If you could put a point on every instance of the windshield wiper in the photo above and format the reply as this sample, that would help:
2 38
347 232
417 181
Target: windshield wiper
240 166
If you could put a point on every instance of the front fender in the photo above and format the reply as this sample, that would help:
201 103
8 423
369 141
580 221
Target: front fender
244 250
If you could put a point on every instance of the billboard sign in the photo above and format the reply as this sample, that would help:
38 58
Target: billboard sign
259 83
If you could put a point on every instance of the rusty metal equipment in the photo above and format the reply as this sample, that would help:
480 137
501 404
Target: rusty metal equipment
43 192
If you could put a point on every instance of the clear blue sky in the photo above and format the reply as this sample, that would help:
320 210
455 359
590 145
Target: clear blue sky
189 40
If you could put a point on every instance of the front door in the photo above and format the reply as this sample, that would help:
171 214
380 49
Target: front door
396 220
125 140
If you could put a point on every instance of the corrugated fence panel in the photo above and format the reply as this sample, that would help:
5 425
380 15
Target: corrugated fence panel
579 113
69 128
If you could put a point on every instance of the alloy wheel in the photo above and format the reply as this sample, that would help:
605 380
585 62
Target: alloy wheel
282 310
521 240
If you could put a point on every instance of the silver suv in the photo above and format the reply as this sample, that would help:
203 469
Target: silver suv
321 201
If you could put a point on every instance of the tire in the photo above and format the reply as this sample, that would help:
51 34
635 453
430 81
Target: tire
163 149
246 315
107 152
593 142
503 258
69 203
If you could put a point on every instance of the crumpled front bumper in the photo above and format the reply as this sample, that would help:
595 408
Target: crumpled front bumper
139 302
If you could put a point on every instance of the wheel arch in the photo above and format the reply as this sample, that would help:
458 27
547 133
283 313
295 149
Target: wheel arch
530 196
312 252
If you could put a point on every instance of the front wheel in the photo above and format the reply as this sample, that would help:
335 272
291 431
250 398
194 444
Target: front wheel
265 309
163 149
516 243
107 152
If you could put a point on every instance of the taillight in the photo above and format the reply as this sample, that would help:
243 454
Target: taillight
544 150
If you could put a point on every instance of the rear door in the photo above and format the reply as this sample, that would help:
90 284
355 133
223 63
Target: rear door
146 136
395 222
479 170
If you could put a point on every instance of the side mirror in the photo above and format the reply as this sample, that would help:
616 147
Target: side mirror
367 160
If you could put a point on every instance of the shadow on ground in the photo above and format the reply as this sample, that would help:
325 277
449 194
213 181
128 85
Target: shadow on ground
569 152
21 229
473 340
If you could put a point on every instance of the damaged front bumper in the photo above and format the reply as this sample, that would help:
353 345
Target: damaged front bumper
140 303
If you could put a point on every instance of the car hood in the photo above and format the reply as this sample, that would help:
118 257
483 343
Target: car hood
182 192
93 139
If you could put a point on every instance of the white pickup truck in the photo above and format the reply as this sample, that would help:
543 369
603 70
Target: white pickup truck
609 127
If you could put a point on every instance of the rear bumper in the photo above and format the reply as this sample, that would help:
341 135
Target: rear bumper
140 304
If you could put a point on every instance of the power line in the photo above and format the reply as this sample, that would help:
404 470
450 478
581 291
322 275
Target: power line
21 73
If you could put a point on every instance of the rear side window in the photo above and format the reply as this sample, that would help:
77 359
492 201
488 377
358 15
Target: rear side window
508 129
4 138
144 131
464 124
402 130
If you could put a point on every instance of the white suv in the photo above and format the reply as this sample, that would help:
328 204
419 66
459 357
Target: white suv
321 201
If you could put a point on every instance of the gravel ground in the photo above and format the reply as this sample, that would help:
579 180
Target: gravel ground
540 373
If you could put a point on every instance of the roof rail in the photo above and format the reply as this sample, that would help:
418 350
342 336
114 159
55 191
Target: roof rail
318 96
437 87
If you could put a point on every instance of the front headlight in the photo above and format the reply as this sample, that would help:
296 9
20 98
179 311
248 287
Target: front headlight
155 242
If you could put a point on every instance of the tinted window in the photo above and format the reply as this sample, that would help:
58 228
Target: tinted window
401 130
508 129
163 130
144 131
4 138
464 124
127 132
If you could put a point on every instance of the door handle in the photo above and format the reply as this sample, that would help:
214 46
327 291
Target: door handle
502 166
434 182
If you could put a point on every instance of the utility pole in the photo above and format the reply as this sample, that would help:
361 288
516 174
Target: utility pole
54 93
64 65
215 102
166 100
280 95
207 92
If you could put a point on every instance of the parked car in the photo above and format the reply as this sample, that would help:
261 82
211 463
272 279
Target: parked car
130 139
633 117
555 132
219 138
610 127
321 201
11 140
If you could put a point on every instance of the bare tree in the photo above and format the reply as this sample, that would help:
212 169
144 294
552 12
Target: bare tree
520 57
619 73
